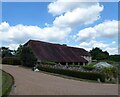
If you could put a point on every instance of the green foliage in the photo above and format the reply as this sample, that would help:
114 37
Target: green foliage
6 52
89 67
98 54
11 61
78 74
7 83
115 58
110 72
49 63
18 51
27 57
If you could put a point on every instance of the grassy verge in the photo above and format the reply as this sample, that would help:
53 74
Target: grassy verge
7 82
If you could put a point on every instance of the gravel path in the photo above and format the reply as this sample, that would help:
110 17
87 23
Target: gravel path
36 83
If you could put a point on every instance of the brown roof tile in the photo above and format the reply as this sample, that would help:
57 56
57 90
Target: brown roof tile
56 52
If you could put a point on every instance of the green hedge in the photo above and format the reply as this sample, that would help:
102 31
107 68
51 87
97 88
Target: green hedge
89 67
11 61
78 74
49 63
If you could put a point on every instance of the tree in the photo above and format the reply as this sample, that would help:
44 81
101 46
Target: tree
18 51
115 58
6 52
98 54
27 57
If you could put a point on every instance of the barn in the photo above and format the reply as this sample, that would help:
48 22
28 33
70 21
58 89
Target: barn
59 53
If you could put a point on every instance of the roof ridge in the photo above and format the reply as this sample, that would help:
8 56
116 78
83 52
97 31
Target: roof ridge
56 44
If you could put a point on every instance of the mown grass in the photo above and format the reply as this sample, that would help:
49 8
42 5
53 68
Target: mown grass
7 82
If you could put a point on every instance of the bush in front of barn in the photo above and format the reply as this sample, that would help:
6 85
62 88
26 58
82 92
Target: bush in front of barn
11 61
89 67
78 74
27 57
48 63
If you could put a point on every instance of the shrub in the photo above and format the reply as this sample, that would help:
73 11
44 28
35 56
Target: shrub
71 65
110 72
11 61
49 63
78 74
27 57
89 67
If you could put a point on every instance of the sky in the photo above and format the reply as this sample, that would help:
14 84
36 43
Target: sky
80 24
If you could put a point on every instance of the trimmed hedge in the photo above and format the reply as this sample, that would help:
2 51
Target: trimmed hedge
49 63
78 74
11 61
89 67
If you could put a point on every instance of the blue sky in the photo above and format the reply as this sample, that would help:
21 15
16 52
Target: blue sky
36 13
57 23
26 13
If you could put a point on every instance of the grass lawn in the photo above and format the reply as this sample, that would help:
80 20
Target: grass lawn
7 82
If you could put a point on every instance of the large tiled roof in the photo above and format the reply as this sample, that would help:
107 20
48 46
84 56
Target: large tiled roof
56 52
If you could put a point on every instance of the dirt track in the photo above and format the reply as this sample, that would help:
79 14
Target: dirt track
35 83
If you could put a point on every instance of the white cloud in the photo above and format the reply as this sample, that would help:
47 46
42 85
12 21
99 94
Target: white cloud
93 44
86 34
107 29
13 46
18 34
76 14
110 47
72 14
112 50
4 27
59 7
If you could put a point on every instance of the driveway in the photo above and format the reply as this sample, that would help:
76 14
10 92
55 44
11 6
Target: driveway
36 83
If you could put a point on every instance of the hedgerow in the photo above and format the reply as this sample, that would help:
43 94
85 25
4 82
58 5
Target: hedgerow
78 74
11 61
